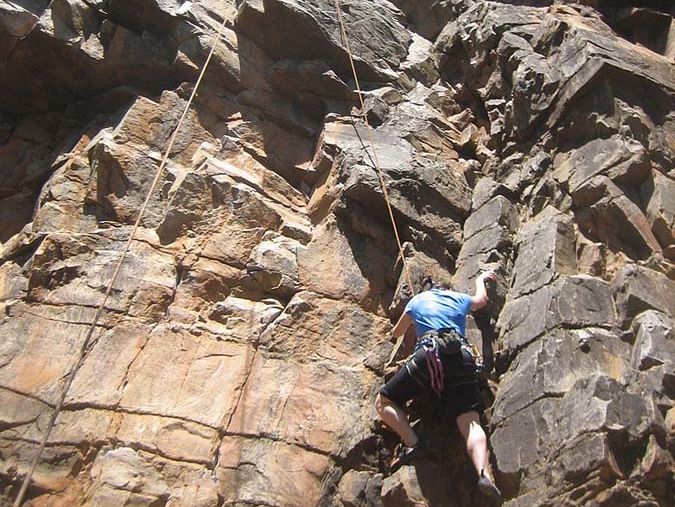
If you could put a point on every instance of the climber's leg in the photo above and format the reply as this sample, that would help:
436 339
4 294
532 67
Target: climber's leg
476 445
476 441
393 396
394 417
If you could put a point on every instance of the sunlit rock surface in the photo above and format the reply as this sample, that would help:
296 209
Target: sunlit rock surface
243 344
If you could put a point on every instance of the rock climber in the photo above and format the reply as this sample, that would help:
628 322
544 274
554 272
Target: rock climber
444 363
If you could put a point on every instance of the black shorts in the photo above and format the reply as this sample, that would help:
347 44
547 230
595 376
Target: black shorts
461 392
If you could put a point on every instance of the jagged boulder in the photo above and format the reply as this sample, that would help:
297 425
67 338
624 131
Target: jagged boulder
287 29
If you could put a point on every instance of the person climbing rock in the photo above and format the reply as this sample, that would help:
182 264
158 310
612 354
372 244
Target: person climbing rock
444 363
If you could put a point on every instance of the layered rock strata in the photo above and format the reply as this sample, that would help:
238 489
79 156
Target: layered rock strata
247 335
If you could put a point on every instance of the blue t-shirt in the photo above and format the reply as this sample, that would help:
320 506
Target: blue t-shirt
436 309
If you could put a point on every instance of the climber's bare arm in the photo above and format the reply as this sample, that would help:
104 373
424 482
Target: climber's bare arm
480 298
402 325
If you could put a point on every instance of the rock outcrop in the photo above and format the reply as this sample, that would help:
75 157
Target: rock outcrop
239 354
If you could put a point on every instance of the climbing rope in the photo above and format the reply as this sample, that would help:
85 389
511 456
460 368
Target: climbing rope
86 345
378 170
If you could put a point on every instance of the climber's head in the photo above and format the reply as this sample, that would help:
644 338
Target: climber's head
428 283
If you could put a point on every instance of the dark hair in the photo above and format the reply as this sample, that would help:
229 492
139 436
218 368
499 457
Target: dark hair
428 283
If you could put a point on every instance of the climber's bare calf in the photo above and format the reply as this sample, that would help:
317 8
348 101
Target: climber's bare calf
393 416
476 441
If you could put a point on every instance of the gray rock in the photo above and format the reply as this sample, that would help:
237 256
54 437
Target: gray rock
486 188
288 29
637 288
658 197
586 454
654 341
545 250
535 82
572 301
492 238
498 211
615 218
109 53
621 160
428 17
552 365
593 405
421 63
313 76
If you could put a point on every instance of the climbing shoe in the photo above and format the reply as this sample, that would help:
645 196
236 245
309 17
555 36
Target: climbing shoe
404 456
488 489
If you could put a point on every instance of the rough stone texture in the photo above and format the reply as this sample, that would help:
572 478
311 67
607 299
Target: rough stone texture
239 354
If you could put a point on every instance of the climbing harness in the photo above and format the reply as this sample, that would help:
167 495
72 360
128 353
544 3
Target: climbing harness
88 343
446 342
434 364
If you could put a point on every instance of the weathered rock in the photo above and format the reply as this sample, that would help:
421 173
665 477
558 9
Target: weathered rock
262 471
75 269
573 301
591 256
176 384
595 405
57 466
316 33
273 264
202 284
402 489
173 438
409 180
638 288
240 319
121 475
315 328
33 362
358 487
13 282
545 250
658 196
654 343
306 405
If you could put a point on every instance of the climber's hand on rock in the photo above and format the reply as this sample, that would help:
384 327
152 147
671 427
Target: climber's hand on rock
487 275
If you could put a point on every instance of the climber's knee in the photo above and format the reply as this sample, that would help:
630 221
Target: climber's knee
381 403
469 425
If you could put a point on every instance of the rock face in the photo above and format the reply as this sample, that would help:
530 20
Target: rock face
238 358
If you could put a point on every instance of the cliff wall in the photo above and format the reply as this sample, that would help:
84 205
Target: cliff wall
240 352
